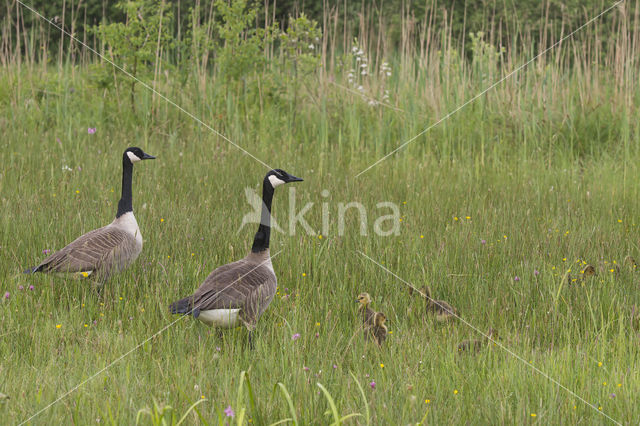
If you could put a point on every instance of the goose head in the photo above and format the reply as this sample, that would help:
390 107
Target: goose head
364 299
277 177
135 154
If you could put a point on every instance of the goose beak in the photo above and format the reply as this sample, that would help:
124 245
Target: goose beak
292 178
148 157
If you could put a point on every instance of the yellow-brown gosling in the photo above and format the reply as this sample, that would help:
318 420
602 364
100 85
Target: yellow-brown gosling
367 313
476 344
586 273
379 330
441 309
631 262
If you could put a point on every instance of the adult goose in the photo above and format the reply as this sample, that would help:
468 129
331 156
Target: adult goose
107 250
238 293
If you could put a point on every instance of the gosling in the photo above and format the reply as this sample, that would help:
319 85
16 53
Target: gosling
379 330
441 309
477 344
631 262
367 313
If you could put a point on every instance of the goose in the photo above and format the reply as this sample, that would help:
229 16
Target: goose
367 313
379 330
442 310
238 293
107 250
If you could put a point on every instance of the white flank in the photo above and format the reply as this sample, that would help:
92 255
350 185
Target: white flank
222 318
133 157
275 181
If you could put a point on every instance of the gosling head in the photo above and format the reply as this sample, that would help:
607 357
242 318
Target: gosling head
135 154
364 299
379 319
589 271
277 177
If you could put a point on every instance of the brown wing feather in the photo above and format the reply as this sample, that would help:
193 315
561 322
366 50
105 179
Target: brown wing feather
244 285
87 252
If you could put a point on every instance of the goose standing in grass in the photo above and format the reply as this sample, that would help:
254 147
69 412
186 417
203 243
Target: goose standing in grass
107 250
238 293
379 330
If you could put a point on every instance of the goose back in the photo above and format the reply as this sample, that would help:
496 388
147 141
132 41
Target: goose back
248 284
103 251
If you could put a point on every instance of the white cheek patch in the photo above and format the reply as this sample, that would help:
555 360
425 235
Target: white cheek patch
275 181
132 157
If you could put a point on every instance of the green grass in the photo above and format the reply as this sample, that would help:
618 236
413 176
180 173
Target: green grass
545 184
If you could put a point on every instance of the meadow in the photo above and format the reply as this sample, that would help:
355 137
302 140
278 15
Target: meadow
500 204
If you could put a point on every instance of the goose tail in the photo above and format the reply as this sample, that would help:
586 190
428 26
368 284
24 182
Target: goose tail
182 306
31 270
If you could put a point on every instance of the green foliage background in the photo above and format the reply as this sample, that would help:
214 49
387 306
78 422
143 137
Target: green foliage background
534 179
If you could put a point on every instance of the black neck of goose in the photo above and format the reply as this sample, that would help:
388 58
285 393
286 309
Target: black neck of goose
125 205
261 239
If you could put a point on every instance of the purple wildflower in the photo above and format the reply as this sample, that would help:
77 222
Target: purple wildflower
7 295
372 384
31 287
536 272
483 242
229 412
517 278
335 366
613 395
295 336
317 335
20 287
91 130
46 251
305 368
